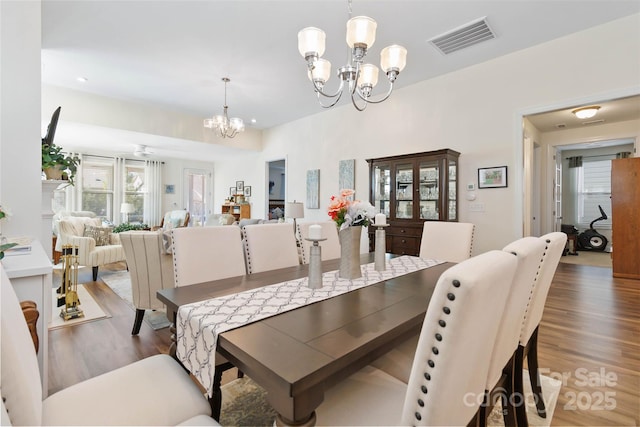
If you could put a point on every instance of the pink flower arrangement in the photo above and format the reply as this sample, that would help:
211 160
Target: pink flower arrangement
346 212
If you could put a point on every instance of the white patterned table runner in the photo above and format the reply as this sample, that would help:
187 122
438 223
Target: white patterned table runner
200 323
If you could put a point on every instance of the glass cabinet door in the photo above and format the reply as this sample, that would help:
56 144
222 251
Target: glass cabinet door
382 189
429 190
453 197
404 191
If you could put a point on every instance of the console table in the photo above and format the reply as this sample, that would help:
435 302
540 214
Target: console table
31 278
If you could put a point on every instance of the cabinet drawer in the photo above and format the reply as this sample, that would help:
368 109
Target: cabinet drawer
401 245
404 231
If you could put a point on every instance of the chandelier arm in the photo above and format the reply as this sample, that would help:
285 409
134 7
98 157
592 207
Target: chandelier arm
355 104
338 92
376 101
333 102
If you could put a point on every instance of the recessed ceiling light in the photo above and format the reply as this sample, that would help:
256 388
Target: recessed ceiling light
254 121
586 112
82 79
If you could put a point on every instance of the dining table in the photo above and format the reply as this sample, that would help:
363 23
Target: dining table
298 354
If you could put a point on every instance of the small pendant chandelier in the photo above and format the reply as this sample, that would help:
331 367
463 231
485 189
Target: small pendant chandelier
222 125
359 78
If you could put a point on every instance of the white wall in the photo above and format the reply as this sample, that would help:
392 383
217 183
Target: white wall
20 138
475 111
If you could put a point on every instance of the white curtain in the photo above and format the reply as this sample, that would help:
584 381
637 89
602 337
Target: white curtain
119 180
153 200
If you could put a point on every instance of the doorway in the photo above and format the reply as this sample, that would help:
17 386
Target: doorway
547 134
276 188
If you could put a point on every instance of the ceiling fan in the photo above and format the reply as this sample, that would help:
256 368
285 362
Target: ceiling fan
142 151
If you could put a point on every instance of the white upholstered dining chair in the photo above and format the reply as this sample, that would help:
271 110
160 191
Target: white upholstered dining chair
330 247
150 268
202 254
528 345
447 241
152 391
529 252
451 362
270 246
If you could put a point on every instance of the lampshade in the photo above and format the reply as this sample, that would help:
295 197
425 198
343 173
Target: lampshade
311 40
586 112
294 210
393 57
361 30
126 208
321 71
368 75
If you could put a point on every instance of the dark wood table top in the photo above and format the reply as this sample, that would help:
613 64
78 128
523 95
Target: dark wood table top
297 354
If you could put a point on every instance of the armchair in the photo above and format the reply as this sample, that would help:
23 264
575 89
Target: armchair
173 219
96 245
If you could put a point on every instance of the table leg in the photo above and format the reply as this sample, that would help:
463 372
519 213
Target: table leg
282 422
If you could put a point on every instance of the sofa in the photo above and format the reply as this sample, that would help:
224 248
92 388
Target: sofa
96 244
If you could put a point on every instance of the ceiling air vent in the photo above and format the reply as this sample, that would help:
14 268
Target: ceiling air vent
593 122
462 37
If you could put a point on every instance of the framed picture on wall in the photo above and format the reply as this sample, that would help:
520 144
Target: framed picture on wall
239 187
247 191
495 177
232 191
169 189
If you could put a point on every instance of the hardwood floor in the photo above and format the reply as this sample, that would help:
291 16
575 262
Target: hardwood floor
589 335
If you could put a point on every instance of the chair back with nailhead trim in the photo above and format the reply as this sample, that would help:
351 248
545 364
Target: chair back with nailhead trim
448 376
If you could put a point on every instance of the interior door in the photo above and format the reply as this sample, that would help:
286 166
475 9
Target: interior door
557 192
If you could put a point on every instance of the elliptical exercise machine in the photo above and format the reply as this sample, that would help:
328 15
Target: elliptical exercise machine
590 239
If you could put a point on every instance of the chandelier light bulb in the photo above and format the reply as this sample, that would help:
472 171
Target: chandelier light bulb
393 57
368 75
311 41
361 30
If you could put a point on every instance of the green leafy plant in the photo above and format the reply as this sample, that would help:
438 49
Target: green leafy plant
52 156
129 227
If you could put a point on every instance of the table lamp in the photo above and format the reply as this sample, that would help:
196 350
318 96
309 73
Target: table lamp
294 210
126 208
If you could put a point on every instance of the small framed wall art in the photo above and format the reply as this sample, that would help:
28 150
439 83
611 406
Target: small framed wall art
232 191
239 187
169 189
494 177
247 191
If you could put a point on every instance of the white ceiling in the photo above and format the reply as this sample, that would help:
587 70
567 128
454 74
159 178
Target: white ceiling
174 53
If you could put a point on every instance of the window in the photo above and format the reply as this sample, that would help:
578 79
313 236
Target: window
109 182
97 186
196 195
594 188
135 189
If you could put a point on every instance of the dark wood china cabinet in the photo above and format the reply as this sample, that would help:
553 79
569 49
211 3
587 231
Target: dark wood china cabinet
411 189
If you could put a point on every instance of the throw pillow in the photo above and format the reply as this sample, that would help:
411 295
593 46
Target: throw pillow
226 219
99 234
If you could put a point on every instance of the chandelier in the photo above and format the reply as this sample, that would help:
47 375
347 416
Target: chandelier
222 124
358 78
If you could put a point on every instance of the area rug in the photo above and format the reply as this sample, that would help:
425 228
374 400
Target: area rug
593 258
90 307
120 283
244 403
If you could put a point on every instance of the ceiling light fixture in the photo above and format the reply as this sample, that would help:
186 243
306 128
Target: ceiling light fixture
222 124
586 112
360 78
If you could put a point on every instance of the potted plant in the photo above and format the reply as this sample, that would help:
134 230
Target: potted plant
58 165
